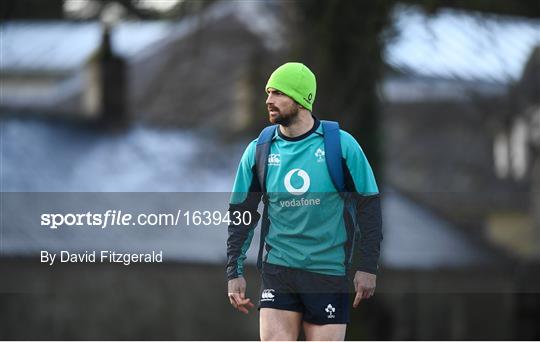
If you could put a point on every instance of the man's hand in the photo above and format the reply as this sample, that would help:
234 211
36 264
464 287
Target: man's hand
237 295
364 285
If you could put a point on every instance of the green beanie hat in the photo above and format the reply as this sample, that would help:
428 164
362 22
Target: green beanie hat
296 81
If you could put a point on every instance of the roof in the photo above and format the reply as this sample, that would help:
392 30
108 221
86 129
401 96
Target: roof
62 46
454 44
451 44
416 238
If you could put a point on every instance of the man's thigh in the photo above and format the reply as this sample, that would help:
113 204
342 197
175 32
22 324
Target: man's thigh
278 324
325 332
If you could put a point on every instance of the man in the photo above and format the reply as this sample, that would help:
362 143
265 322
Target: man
309 242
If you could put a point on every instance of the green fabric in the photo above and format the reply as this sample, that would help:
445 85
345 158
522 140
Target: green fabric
307 229
296 81
243 251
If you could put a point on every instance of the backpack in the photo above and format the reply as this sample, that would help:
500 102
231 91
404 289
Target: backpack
333 156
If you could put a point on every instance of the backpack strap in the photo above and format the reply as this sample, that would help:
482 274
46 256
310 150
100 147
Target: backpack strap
262 151
333 155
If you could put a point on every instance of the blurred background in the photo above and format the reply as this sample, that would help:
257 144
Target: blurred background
153 102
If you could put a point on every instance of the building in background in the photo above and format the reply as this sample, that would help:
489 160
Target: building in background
199 71
456 80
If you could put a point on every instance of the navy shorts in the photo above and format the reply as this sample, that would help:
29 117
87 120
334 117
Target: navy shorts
322 299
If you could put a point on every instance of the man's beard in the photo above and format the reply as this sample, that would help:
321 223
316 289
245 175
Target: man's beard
286 117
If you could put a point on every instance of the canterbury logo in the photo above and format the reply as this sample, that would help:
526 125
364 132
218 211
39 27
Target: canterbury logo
273 159
297 191
267 295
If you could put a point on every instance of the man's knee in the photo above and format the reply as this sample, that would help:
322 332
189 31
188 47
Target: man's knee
275 335
325 332
279 325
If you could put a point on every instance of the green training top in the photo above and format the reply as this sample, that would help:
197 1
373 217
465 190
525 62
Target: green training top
307 228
